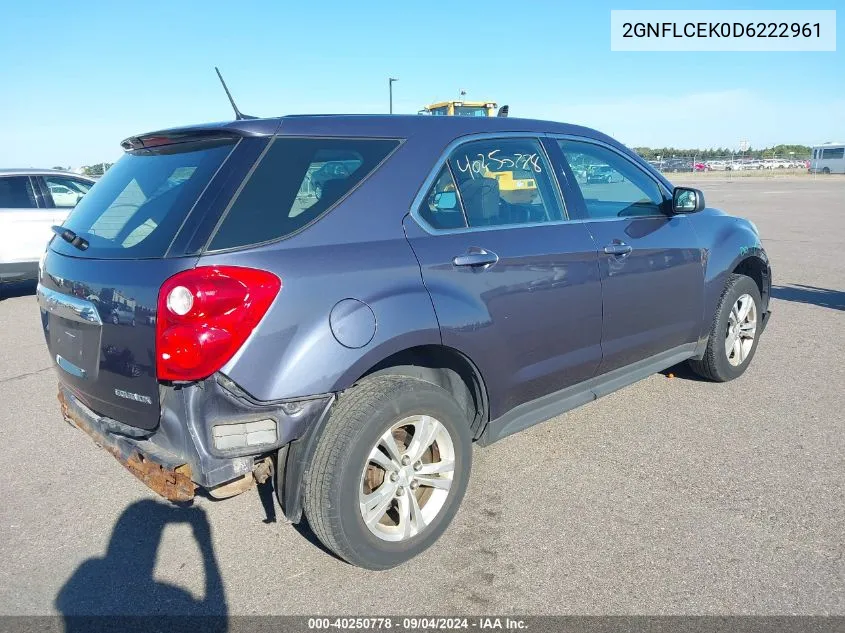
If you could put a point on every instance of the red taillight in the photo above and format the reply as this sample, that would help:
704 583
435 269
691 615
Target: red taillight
204 316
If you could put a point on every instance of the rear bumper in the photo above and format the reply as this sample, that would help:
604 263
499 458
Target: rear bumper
164 472
180 453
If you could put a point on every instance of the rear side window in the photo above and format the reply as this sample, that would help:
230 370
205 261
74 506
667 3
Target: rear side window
16 193
296 182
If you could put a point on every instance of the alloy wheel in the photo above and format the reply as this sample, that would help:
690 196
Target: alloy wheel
406 478
741 330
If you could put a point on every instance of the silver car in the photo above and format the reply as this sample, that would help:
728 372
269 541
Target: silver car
31 201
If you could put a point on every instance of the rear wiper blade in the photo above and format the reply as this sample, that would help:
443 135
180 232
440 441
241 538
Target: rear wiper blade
70 237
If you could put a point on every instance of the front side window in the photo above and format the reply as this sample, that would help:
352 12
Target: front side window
504 181
296 182
66 192
16 192
611 185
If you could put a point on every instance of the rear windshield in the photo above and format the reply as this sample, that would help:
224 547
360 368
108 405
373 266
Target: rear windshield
138 206
296 182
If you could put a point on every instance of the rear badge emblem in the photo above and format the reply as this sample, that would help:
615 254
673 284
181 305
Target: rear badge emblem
137 397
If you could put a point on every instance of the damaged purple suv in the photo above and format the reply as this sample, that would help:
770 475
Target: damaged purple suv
346 303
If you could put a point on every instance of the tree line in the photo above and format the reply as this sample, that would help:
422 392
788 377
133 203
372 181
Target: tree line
89 170
649 153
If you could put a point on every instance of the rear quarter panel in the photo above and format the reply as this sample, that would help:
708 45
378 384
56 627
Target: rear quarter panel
357 251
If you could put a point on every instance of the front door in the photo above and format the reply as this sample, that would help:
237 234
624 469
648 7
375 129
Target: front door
515 286
651 262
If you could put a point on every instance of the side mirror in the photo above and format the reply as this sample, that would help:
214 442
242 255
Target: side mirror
446 200
687 200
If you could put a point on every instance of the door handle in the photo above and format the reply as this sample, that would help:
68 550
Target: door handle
479 257
618 248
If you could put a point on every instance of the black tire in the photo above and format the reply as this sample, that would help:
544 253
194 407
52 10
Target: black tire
333 482
826 170
715 365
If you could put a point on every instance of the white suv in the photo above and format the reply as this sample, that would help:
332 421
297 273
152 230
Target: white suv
31 201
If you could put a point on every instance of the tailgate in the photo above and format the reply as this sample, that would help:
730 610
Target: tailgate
99 322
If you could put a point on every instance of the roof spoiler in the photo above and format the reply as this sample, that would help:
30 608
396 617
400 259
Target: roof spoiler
173 137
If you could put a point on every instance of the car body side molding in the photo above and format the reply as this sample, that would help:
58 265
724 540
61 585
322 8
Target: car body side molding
546 407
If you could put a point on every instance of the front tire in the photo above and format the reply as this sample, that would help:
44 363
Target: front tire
389 472
734 333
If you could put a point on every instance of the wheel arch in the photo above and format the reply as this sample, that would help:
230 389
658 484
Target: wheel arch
435 363
445 367
756 268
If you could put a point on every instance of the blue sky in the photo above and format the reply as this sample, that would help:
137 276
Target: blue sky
78 78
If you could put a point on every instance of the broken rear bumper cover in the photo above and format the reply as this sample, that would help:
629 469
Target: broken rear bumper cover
195 440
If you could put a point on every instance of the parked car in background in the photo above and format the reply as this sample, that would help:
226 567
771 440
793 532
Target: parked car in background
599 173
678 165
776 163
701 166
122 314
335 170
31 201
354 346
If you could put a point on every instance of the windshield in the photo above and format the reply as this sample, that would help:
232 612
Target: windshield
470 111
138 206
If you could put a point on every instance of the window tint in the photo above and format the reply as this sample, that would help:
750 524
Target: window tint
139 204
16 192
504 182
611 185
66 192
834 152
297 181
441 207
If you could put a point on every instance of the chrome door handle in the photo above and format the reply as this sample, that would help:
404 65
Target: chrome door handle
479 257
618 249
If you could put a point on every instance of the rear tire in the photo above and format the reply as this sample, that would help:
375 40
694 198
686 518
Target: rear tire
734 333
353 476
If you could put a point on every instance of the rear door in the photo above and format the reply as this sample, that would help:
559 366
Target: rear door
515 285
651 261
98 304
24 220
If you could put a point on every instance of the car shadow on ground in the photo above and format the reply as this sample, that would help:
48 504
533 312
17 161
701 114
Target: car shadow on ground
682 371
799 293
17 289
119 593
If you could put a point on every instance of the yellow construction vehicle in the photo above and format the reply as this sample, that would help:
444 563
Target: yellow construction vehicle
516 186
461 108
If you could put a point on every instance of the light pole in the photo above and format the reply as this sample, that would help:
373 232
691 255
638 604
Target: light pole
390 81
